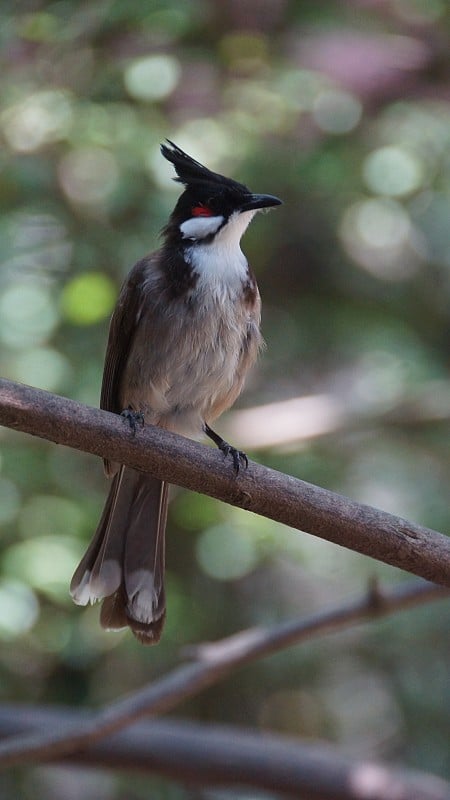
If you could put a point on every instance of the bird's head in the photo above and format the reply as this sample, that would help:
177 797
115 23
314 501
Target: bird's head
211 204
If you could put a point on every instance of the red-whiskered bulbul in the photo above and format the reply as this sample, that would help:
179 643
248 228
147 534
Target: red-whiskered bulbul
182 337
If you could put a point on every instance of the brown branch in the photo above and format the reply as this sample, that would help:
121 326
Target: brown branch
221 756
301 505
214 663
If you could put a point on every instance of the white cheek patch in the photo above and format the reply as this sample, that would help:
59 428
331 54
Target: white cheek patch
200 227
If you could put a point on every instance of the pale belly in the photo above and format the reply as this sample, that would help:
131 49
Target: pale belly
192 371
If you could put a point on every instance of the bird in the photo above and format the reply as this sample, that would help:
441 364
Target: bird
182 337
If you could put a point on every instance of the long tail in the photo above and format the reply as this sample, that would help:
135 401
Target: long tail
124 564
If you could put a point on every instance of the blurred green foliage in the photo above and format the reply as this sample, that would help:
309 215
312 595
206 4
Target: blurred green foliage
342 110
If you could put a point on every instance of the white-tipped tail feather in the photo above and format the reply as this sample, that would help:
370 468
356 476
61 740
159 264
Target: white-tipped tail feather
81 593
124 564
105 581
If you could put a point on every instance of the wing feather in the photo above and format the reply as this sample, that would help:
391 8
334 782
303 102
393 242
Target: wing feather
122 329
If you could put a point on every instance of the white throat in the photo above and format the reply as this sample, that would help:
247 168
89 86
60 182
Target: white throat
221 264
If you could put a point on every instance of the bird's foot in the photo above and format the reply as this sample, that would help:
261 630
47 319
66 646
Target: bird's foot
134 418
238 456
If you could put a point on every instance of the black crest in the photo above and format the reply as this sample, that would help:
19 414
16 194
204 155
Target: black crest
191 172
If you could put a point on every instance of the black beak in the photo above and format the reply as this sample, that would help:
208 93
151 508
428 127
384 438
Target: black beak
255 201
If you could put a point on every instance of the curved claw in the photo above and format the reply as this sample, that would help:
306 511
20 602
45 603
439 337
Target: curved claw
238 456
133 418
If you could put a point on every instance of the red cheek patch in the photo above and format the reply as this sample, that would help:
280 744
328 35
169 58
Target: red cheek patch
201 211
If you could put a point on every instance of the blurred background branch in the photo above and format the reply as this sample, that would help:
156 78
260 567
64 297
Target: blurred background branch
213 663
288 423
219 756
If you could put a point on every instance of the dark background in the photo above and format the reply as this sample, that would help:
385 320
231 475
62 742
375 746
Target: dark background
343 110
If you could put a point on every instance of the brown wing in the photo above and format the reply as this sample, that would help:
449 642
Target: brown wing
121 333
122 328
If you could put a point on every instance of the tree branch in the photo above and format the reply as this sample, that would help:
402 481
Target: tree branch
222 756
293 502
214 662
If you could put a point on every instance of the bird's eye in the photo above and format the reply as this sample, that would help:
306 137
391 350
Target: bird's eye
201 211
